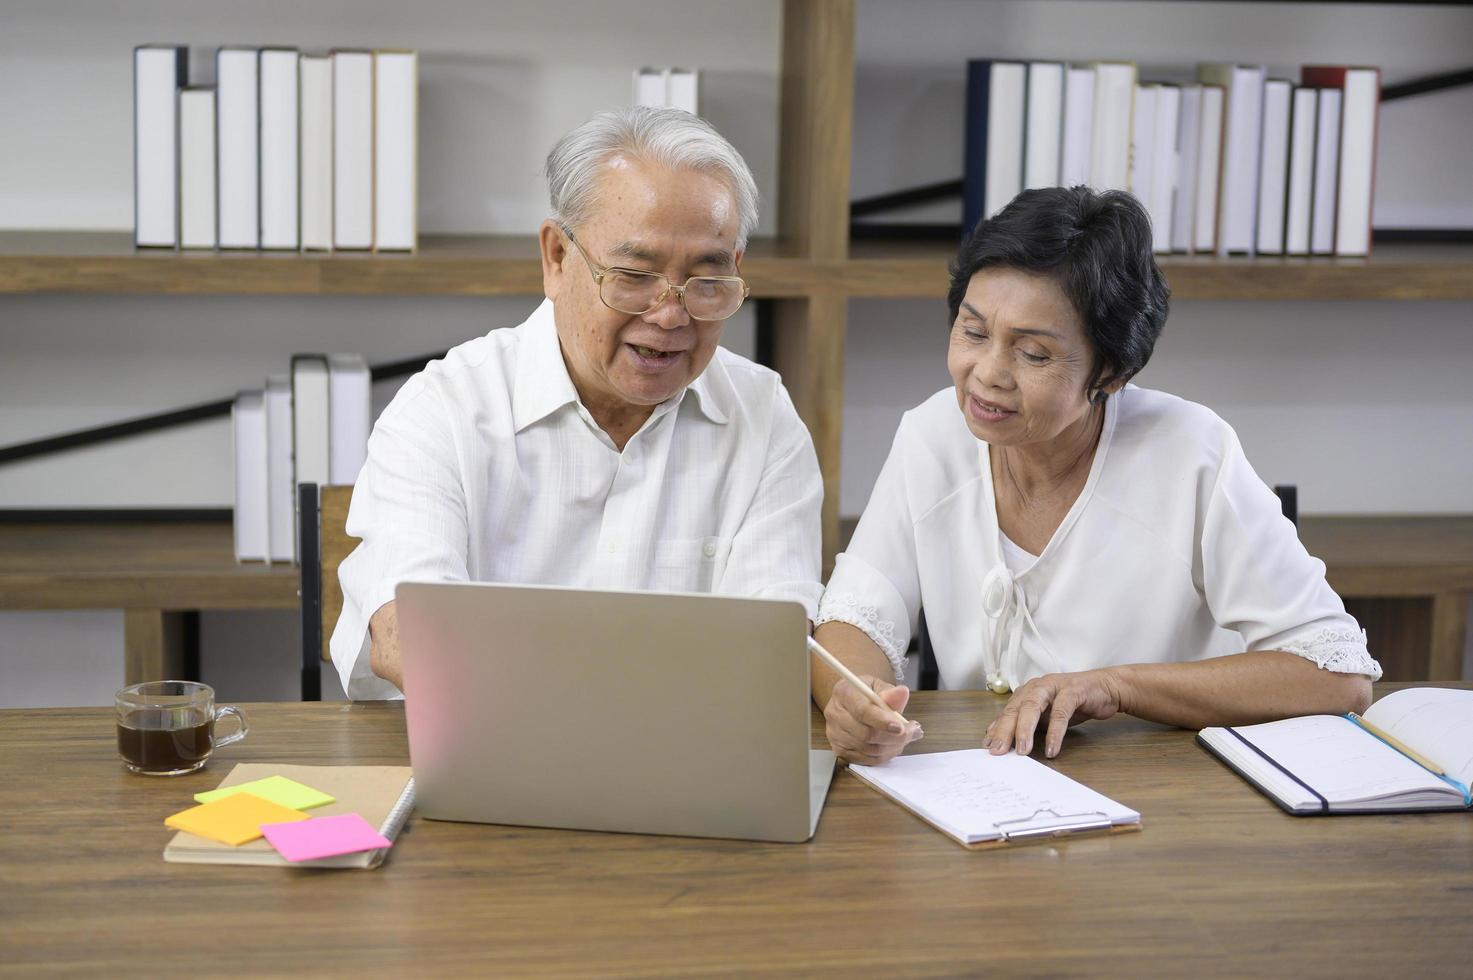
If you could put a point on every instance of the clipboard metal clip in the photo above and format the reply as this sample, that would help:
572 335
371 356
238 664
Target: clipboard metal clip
1049 823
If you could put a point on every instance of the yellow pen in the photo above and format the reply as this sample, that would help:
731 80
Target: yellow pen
1399 746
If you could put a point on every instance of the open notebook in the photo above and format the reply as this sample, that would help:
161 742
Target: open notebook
979 798
382 795
1331 764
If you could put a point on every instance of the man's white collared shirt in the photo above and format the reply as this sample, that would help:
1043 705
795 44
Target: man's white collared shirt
487 468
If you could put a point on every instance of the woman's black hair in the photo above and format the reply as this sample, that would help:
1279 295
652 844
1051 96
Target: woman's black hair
1096 245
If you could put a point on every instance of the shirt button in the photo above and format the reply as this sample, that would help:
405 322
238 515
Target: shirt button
710 550
613 548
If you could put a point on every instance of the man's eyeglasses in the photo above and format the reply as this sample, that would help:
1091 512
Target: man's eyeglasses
636 292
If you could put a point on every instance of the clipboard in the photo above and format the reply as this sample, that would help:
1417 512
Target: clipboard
1045 824
1025 830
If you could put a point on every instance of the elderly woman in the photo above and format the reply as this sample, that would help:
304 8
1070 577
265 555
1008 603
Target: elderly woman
1081 543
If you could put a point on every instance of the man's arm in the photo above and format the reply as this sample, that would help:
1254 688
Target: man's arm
383 653
776 552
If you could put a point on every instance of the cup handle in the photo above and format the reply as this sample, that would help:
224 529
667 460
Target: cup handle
220 712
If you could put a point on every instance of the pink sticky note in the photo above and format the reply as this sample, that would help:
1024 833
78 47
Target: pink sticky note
320 837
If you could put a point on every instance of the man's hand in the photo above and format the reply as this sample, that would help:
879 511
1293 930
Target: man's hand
1058 700
860 731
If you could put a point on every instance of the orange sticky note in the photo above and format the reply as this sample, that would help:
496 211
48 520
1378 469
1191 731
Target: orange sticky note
234 819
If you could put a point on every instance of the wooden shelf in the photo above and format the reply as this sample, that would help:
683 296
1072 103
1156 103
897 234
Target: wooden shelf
917 270
507 265
1393 557
135 565
445 265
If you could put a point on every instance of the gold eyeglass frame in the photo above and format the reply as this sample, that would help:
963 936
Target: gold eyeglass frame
670 287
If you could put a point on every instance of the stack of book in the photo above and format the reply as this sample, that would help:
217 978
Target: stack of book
284 151
1232 163
309 426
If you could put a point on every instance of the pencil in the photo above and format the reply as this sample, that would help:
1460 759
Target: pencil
1399 746
853 678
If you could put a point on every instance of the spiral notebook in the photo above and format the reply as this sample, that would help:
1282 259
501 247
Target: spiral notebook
984 800
382 795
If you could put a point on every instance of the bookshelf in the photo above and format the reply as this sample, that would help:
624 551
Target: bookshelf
810 270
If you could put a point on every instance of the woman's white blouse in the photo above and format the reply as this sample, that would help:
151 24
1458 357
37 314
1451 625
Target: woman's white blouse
1175 551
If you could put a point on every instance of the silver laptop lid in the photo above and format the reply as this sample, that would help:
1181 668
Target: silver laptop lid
625 711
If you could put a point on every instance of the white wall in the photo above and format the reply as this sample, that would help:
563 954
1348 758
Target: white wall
1362 405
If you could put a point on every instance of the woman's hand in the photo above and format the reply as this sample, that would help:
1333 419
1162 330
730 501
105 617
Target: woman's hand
860 731
1059 700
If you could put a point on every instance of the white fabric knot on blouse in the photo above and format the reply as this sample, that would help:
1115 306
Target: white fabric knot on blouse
1006 604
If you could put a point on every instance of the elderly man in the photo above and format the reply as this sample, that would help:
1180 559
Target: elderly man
607 441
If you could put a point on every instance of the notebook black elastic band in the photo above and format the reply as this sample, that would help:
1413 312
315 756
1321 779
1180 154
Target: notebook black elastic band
1324 803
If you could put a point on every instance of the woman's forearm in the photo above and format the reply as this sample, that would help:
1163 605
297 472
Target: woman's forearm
1241 689
854 650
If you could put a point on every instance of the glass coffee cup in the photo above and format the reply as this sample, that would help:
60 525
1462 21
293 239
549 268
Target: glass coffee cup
167 728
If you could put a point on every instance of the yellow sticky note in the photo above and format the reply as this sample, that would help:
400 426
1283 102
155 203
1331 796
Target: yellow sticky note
234 820
277 789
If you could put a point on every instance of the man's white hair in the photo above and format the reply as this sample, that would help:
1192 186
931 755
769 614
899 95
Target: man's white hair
669 137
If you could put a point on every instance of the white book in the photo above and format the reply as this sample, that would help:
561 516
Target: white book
1045 122
682 89
280 153
1163 168
311 401
1357 160
1079 117
1238 202
1326 764
650 88
197 168
1273 169
280 494
396 142
238 122
1326 174
349 414
1109 167
1188 144
1209 169
1004 136
248 431
976 797
1301 171
159 71
1143 147
316 141
352 149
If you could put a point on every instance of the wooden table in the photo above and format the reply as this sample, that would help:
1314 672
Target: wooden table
1220 882
155 571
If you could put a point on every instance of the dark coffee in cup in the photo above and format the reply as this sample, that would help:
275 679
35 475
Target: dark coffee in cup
167 728
153 741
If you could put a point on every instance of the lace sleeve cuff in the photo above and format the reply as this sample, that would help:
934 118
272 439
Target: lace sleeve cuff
845 607
1340 650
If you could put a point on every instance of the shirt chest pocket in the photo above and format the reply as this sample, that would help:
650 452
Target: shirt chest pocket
689 564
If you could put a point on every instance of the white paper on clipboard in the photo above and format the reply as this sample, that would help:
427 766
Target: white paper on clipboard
975 796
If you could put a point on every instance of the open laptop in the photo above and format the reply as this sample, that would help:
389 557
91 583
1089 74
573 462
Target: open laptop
640 712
